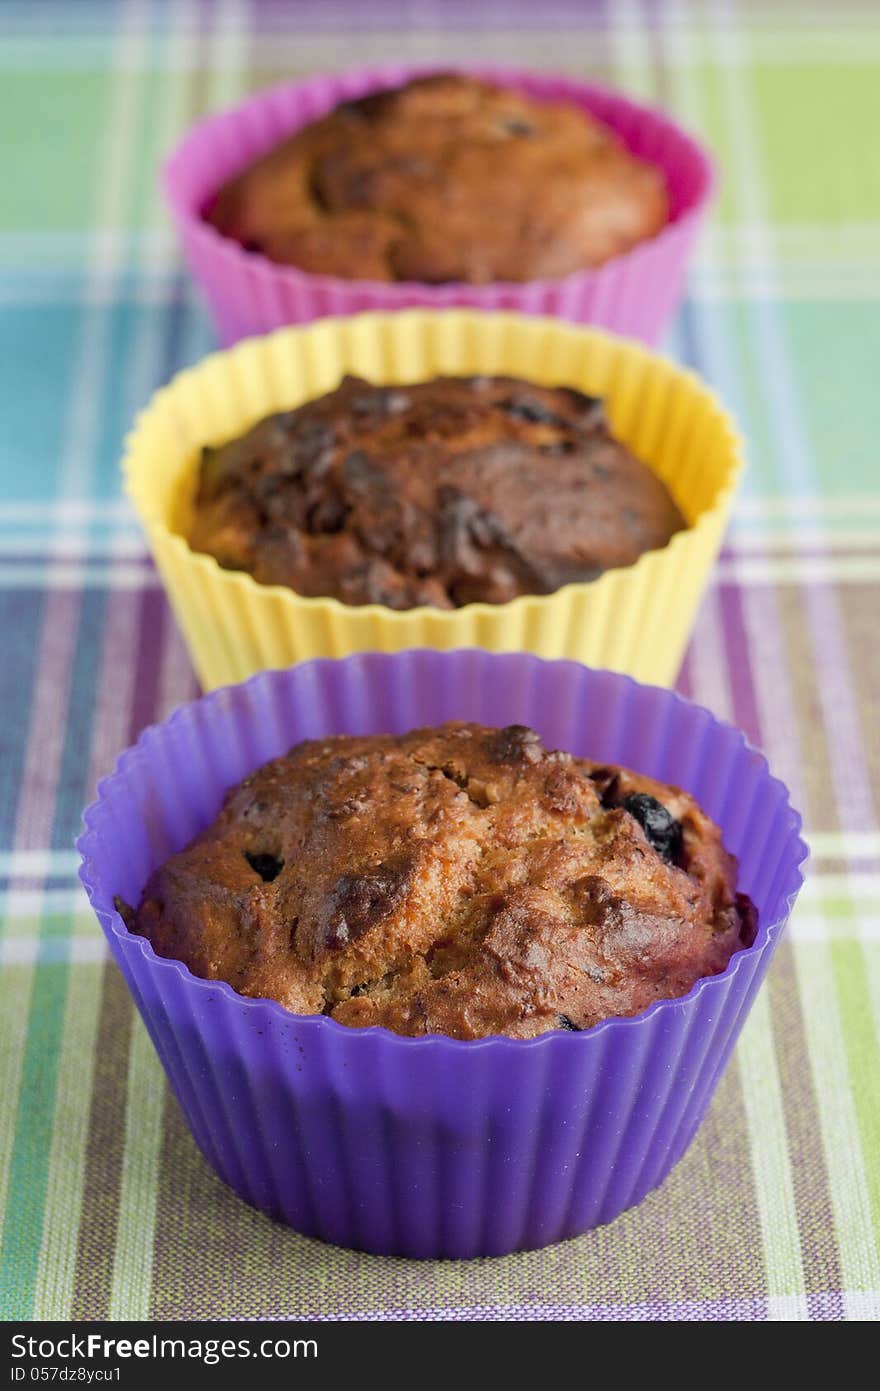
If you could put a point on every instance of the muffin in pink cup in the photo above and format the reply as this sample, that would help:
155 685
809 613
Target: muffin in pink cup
252 286
433 1145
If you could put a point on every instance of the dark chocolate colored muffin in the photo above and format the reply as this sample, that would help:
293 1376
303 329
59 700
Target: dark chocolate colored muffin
459 880
449 492
447 178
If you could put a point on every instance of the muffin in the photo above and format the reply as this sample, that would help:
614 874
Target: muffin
433 1146
444 493
636 168
458 880
447 178
633 617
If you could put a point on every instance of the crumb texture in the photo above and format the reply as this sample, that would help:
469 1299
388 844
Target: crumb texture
443 493
447 178
459 880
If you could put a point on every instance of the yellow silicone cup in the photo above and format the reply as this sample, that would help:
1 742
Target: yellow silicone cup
636 619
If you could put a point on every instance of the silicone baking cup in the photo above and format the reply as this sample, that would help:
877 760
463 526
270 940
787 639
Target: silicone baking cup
635 293
636 619
432 1146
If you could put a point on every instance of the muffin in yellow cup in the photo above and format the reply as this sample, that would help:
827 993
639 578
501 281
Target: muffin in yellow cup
635 619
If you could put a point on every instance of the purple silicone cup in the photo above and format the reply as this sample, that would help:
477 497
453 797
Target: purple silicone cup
633 294
434 1147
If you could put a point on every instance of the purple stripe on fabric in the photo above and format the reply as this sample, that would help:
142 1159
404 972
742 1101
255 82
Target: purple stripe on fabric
708 1310
45 740
809 1171
71 789
827 1305
152 610
856 806
742 691
328 16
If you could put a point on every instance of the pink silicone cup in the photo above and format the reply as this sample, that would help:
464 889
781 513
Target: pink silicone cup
431 1146
634 294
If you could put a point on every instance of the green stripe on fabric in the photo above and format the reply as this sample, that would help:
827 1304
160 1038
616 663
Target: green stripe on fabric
132 1279
227 74
152 129
807 1159
863 1057
850 1194
55 927
872 980
630 51
66 1168
28 1170
16 986
762 1099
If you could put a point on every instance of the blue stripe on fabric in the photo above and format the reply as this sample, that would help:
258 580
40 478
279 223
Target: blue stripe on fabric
72 790
21 613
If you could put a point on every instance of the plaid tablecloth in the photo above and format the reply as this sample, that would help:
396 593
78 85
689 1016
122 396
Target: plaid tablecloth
107 1208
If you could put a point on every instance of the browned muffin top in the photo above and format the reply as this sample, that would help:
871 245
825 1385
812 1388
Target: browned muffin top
447 178
459 880
445 493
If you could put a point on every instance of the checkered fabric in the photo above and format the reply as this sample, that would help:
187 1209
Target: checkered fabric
108 1210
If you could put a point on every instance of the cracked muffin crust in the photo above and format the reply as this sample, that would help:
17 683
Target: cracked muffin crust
446 179
442 493
459 880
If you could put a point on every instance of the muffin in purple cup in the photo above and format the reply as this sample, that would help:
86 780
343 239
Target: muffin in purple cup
432 1145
